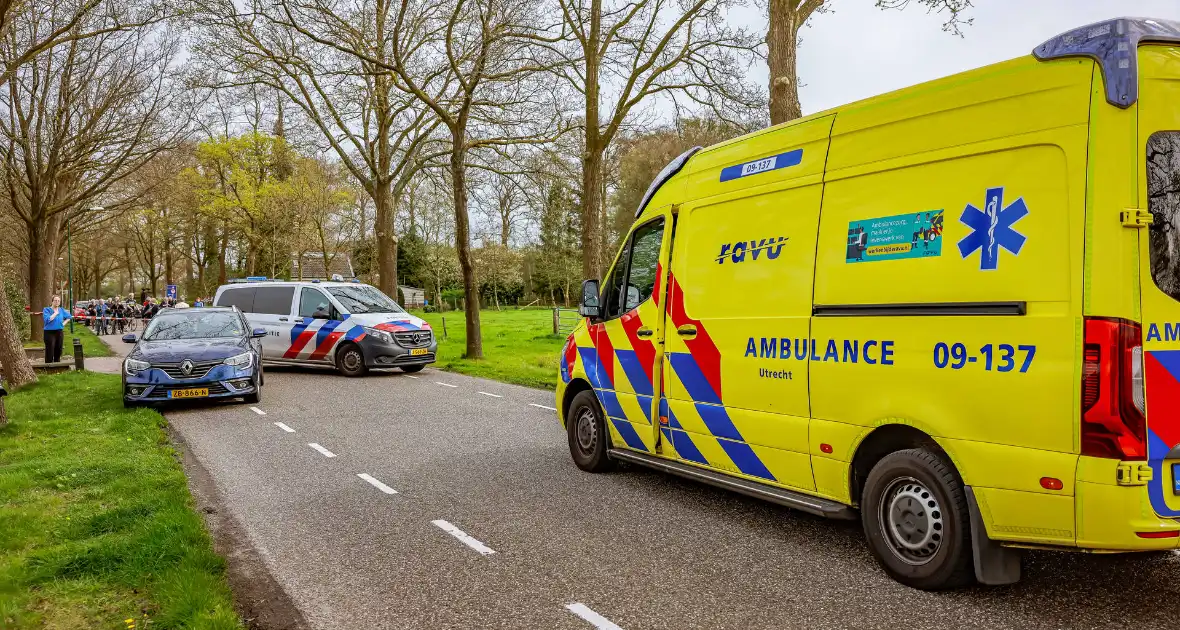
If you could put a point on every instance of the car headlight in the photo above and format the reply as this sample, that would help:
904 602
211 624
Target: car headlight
379 334
241 361
135 366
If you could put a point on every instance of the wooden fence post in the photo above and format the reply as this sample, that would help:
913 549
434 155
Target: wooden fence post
556 321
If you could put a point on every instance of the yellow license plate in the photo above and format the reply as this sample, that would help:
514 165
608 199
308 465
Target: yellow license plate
189 393
417 352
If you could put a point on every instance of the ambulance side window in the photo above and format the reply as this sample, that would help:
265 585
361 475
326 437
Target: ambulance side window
645 256
633 279
612 293
1163 201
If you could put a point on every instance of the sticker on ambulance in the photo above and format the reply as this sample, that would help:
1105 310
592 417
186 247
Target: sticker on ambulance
917 235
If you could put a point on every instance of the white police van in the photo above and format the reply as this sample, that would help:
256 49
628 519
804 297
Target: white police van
349 325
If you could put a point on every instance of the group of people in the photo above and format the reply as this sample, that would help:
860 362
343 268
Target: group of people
107 316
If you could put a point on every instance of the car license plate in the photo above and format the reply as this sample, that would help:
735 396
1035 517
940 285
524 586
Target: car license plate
189 393
1175 478
417 352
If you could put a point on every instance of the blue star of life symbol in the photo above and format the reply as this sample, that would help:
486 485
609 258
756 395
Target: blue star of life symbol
991 229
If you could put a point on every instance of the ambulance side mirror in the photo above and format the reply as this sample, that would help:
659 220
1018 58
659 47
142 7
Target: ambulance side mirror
590 307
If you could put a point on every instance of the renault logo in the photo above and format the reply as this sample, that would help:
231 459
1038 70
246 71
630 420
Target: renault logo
186 367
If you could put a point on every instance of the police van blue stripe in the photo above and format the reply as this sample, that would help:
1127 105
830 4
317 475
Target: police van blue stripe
774 162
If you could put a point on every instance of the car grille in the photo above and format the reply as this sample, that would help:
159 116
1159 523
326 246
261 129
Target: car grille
161 391
413 339
200 369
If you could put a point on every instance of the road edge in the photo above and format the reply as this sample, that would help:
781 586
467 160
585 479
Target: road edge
261 602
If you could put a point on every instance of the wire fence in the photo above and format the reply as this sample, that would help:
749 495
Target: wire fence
564 320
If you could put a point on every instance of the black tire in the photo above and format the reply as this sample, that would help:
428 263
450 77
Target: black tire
350 360
128 404
914 512
410 369
589 439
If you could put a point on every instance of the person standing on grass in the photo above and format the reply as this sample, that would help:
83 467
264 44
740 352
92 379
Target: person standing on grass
55 317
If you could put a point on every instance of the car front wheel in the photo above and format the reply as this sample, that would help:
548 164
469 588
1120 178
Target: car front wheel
914 512
350 361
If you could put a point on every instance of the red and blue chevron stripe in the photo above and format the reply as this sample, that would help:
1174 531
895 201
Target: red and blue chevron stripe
1162 369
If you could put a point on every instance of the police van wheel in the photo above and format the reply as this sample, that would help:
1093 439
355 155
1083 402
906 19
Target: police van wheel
914 512
350 361
588 437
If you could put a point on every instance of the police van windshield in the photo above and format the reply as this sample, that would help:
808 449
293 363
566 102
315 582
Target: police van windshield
363 298
194 325
1163 201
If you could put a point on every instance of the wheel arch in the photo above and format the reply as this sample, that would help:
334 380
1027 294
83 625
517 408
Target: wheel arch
572 388
886 438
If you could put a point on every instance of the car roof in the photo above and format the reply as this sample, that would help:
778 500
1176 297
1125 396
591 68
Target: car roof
292 283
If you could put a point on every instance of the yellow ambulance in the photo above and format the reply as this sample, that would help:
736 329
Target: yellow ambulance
950 312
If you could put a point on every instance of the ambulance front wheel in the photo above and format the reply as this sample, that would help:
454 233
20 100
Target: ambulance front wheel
587 432
915 517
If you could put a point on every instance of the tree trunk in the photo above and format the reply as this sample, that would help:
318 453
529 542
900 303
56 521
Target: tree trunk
15 362
463 246
383 203
592 157
782 48
41 266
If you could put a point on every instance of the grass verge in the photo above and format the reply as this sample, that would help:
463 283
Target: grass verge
98 528
92 346
518 345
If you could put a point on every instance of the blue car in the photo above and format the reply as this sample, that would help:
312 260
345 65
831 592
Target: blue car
185 354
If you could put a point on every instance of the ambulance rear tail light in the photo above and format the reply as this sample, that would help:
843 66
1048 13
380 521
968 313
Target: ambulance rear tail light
1113 421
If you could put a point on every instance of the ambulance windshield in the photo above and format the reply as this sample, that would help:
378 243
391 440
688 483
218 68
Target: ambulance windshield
1163 201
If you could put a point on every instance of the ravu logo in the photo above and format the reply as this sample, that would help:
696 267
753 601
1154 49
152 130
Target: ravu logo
769 248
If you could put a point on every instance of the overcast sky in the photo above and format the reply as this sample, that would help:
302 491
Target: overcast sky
858 51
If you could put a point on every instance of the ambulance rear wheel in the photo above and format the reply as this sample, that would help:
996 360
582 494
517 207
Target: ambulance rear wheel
350 361
588 436
914 512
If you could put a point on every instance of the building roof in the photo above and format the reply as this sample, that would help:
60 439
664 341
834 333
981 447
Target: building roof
311 266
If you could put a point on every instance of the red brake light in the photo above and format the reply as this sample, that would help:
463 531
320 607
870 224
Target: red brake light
1113 422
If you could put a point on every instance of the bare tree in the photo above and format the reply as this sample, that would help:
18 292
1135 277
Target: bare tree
474 64
345 89
620 53
75 122
787 17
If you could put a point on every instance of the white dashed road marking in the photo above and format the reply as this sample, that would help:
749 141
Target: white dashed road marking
376 484
542 407
413 377
492 395
595 619
463 537
258 411
444 384
284 427
322 451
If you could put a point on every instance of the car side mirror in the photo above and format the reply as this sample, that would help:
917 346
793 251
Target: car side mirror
590 306
129 338
258 332
321 315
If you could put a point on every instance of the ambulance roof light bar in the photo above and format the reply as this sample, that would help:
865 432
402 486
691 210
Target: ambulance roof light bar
1113 44
671 169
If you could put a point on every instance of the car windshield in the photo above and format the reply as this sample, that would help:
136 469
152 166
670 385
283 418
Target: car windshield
200 324
363 298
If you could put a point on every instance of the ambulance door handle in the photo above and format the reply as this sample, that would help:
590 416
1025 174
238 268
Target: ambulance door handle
282 319
644 332
687 330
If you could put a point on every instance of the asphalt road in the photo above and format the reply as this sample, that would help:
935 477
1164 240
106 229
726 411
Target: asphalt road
491 526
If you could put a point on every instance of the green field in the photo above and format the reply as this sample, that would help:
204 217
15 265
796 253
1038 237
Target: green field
518 345
97 527
92 346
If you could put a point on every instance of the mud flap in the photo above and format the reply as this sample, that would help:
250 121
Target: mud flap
994 563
